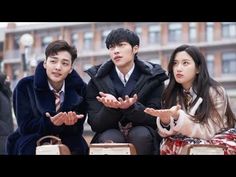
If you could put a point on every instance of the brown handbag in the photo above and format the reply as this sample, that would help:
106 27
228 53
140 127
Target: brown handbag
51 145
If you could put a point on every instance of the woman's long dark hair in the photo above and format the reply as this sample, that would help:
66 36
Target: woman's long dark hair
201 85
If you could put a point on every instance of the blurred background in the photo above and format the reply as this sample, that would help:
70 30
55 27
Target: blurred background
22 46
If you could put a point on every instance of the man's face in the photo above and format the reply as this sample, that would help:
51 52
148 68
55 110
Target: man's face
58 67
122 54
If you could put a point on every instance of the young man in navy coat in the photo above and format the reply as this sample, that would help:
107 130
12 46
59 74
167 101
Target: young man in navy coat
34 103
120 90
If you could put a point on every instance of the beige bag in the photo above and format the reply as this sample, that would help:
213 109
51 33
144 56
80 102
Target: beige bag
51 147
112 149
204 149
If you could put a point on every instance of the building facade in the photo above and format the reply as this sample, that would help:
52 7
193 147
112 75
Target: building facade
217 41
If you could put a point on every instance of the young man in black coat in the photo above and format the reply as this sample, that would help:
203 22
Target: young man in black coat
120 90
35 107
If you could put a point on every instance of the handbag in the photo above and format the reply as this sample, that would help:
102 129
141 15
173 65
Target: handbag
112 149
51 145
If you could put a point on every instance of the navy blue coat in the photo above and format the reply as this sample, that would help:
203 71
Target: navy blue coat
32 98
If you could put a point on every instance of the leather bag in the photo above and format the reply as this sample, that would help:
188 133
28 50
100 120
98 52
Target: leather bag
51 145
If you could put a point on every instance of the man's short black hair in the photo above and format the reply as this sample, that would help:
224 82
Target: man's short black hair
60 45
122 35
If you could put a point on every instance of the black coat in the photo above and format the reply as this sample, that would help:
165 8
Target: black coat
6 120
148 84
32 98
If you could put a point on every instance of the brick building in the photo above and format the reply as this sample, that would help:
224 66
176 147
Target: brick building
217 41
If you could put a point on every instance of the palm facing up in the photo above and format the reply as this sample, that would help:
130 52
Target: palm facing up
164 114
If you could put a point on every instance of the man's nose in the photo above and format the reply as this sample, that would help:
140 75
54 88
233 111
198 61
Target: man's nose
116 49
58 66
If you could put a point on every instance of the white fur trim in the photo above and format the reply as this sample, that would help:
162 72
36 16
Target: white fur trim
180 121
163 131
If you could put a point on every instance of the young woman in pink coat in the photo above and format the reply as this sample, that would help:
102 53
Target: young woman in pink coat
194 104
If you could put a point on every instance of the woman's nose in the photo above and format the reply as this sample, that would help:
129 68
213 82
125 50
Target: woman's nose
179 67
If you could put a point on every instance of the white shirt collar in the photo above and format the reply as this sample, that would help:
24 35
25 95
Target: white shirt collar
62 88
127 76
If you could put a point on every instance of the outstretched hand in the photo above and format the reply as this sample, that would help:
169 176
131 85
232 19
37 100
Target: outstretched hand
110 101
127 102
69 118
164 114
58 119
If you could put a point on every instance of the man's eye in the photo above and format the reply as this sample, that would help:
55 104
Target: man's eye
65 64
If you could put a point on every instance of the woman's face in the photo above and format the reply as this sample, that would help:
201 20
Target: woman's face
184 69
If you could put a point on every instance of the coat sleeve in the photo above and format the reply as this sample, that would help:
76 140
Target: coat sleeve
28 119
185 126
100 118
81 108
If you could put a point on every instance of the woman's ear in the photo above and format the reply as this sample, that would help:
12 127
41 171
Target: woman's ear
198 70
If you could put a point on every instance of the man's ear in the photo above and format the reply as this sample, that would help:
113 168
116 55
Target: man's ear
135 49
71 69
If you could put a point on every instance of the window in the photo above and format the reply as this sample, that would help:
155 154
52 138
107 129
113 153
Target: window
154 34
104 36
228 29
138 31
229 62
88 40
210 64
16 42
175 32
209 31
193 32
75 39
45 41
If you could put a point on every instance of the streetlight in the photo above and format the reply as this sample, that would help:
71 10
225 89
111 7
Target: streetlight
27 41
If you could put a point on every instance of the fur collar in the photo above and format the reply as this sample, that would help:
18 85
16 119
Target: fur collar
41 81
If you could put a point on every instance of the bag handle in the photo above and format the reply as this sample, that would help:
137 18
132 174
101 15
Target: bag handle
53 140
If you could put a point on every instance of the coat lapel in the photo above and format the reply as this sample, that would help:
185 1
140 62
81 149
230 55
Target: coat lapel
131 84
45 101
71 100
45 98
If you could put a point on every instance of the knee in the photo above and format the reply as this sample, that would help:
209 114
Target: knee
140 133
112 135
